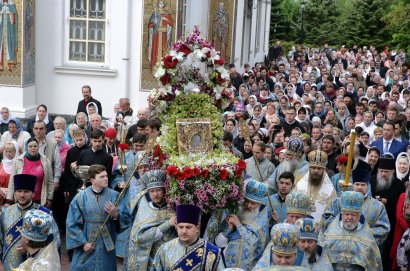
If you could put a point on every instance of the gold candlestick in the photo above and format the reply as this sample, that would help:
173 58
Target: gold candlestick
345 184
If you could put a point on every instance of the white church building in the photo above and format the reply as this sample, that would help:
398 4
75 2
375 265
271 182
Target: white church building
51 48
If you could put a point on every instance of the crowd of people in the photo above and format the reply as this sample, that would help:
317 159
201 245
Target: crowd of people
291 119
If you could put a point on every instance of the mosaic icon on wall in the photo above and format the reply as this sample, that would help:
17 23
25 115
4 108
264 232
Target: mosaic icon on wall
158 33
17 54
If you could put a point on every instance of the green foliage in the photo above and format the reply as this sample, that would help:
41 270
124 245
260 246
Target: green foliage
398 22
189 106
342 22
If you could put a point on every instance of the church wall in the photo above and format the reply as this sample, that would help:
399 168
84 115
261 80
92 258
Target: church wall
58 84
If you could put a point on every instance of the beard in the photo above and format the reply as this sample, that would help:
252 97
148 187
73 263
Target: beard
247 216
315 180
350 226
383 183
290 165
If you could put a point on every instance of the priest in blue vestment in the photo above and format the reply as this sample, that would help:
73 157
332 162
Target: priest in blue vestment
153 224
188 252
373 210
87 213
348 241
284 248
315 257
11 222
136 186
244 234
295 162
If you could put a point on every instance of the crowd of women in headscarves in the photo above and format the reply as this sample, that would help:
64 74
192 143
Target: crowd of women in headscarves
331 91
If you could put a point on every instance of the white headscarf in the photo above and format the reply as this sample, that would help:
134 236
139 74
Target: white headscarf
46 118
8 163
400 175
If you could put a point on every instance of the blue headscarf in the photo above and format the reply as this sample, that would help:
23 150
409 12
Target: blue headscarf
27 154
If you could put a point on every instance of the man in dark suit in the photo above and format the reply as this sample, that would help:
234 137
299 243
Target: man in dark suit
397 133
387 143
82 105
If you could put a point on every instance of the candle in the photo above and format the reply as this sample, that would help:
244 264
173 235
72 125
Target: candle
350 157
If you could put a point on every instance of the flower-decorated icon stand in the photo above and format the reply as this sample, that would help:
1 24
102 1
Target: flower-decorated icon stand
193 90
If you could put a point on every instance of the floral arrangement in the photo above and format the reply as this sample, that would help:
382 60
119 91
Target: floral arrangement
192 65
208 182
193 83
189 106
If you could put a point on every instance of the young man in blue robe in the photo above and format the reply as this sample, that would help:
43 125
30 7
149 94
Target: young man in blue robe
153 224
278 200
87 213
188 252
11 221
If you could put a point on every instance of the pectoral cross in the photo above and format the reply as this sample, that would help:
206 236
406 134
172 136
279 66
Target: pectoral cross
312 205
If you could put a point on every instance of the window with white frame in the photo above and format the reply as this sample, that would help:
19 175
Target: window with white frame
87 31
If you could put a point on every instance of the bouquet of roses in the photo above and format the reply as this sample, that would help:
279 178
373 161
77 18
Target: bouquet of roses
210 184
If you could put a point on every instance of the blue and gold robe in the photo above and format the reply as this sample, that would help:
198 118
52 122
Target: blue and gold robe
357 247
374 213
11 220
300 171
266 169
321 262
144 238
130 160
85 216
245 243
135 188
175 256
279 206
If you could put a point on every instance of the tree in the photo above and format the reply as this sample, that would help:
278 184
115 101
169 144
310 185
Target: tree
398 22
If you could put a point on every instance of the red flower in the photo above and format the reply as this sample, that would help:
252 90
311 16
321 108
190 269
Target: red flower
205 173
172 170
188 172
241 165
196 172
123 146
161 158
219 79
157 151
165 79
223 174
185 49
169 63
221 61
238 172
342 159
180 176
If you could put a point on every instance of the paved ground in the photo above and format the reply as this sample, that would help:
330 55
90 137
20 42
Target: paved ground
65 264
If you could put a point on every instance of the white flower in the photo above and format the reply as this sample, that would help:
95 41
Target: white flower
175 55
217 96
159 72
224 73
195 90
177 92
199 54
214 56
